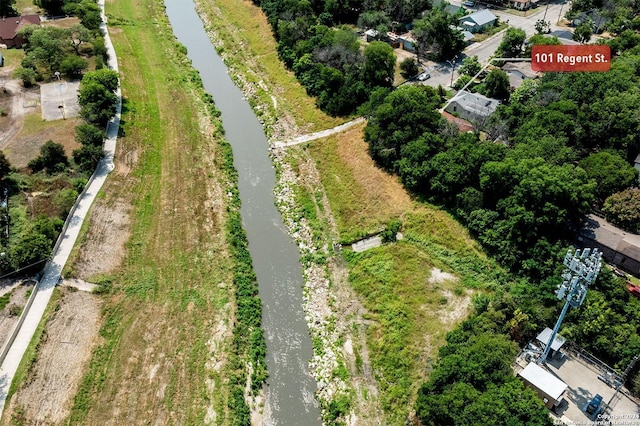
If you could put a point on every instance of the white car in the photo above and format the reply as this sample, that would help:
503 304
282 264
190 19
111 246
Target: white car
424 76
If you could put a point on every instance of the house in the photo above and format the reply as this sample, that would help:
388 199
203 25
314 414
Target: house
407 42
618 247
467 36
448 8
518 72
9 28
546 385
520 4
597 19
565 37
463 125
472 107
478 21
371 34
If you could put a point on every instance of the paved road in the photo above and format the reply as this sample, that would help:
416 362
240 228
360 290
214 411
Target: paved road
441 73
67 241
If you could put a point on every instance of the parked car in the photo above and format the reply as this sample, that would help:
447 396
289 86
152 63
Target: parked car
593 407
424 76
468 4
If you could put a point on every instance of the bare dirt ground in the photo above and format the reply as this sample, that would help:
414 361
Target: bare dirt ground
19 105
65 349
11 312
15 103
72 334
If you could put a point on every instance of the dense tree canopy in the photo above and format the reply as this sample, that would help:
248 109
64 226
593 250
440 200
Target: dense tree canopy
52 158
623 209
512 43
96 96
611 172
406 114
7 8
436 36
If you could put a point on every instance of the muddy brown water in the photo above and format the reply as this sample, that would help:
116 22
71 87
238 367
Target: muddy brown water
276 259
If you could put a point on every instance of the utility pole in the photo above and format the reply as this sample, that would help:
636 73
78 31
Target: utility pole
452 62
624 379
582 270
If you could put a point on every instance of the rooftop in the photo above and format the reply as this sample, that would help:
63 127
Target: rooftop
481 17
11 25
477 103
543 380
522 67
544 336
608 235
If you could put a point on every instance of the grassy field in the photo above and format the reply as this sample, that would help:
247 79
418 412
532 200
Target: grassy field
410 304
168 315
249 50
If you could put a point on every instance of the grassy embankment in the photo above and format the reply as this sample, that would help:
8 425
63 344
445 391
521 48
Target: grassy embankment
408 311
167 325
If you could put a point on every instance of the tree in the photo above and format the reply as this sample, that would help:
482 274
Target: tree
461 82
7 8
540 40
470 66
31 250
409 67
626 40
52 158
97 104
405 11
88 134
106 77
87 157
512 43
611 171
5 166
583 32
543 27
79 35
435 33
379 65
497 84
88 12
27 75
623 209
406 113
45 46
373 19
73 66
52 7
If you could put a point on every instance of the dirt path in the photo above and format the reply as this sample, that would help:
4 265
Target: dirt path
16 112
63 355
317 135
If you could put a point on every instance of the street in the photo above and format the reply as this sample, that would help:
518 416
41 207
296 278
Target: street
441 72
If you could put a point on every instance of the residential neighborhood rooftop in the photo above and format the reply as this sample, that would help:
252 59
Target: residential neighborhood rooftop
481 17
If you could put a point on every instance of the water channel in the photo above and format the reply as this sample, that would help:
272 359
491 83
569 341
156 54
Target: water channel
276 259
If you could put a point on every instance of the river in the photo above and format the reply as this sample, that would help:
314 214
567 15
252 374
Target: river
276 259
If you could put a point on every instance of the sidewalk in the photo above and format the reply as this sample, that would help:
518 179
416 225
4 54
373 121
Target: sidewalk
66 241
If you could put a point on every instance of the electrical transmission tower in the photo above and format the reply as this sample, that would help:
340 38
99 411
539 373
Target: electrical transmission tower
582 270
